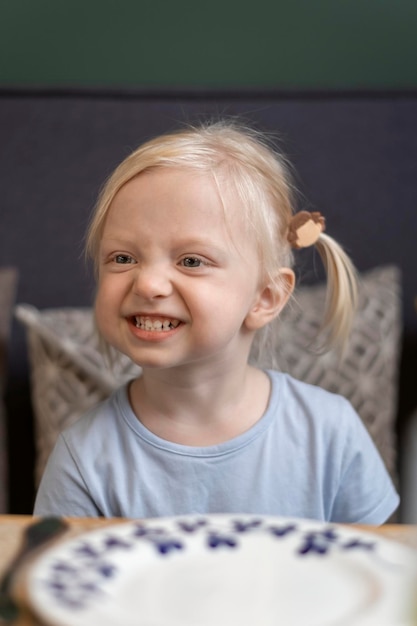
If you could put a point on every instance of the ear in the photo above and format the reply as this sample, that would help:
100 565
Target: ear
270 300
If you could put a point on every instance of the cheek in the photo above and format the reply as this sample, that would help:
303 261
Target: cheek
99 316
109 290
104 309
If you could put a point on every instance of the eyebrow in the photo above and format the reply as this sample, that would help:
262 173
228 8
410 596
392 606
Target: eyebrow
197 241
188 244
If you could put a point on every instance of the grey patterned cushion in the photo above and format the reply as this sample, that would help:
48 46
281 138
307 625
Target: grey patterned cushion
69 370
8 284
70 373
368 374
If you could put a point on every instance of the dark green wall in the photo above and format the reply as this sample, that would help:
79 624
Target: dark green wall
292 43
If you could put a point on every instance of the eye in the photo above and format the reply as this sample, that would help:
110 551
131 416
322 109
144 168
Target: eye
123 259
192 261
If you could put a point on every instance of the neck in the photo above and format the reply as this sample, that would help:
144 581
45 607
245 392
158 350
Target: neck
200 410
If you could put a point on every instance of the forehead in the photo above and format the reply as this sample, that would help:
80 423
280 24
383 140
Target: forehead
187 195
176 208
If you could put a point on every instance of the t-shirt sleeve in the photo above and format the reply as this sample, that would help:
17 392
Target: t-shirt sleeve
366 493
62 490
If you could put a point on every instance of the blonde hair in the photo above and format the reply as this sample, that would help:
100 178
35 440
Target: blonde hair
241 159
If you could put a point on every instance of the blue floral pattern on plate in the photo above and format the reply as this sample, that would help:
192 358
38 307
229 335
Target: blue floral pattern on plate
79 574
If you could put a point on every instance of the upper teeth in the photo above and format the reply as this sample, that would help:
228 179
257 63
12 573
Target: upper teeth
157 324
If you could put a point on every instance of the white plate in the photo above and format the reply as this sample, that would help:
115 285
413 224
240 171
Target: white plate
225 570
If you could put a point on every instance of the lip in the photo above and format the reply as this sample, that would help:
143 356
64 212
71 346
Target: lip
153 316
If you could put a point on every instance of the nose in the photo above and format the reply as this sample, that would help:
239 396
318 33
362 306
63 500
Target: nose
152 281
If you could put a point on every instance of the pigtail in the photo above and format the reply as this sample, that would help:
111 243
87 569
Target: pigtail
307 229
341 295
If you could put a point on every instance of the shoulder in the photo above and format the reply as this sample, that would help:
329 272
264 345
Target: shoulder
314 412
305 396
100 421
355 484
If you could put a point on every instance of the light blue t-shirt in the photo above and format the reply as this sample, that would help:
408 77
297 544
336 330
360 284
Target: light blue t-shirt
309 456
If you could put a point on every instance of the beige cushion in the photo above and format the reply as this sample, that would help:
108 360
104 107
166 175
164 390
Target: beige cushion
8 284
70 373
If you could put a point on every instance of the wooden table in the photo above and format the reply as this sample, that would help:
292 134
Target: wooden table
12 527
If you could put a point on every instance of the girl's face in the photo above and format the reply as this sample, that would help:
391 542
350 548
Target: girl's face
178 286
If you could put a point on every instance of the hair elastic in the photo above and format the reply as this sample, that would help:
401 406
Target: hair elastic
305 228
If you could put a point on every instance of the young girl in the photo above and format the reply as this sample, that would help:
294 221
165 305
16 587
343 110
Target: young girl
192 244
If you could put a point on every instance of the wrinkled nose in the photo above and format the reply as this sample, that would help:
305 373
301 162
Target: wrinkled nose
152 281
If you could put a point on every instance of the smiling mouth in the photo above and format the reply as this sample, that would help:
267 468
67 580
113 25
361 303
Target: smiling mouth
158 324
